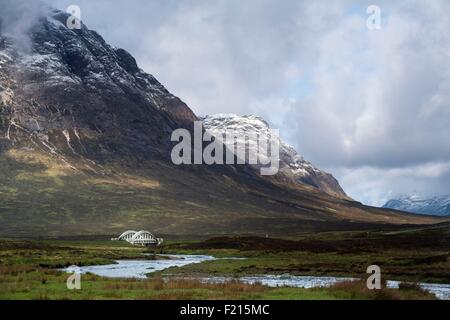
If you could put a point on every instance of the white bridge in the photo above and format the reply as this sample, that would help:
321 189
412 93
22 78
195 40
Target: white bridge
143 238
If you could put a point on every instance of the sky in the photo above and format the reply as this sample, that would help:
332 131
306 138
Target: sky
371 106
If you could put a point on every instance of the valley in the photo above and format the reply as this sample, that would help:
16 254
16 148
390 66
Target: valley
29 268
86 152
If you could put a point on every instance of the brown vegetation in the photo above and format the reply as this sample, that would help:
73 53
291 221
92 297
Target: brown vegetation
358 289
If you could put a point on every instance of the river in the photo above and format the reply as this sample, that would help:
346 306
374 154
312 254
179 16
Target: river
140 268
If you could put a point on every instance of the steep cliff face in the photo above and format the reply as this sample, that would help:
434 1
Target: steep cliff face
72 93
293 168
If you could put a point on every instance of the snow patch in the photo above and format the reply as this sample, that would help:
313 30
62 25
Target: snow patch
291 162
67 136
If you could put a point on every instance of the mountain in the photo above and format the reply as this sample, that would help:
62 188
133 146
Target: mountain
439 206
73 93
293 168
85 149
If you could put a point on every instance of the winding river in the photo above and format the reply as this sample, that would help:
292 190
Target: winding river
140 268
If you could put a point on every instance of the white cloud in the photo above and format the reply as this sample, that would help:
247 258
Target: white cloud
378 185
17 18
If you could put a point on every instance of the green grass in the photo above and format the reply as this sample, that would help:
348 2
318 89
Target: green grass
28 270
421 255
396 265
49 284
45 254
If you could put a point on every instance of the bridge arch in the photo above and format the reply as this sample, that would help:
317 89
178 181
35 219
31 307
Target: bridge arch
143 237
140 238
127 235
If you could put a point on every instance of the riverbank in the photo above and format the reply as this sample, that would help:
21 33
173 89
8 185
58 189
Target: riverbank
412 255
29 269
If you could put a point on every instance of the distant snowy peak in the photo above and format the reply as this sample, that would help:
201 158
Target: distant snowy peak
415 203
293 167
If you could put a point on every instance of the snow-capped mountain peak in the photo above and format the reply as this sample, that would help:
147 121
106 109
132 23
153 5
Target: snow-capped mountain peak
293 167
416 203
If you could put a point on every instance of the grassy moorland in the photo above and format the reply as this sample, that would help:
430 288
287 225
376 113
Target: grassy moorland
49 284
414 255
29 268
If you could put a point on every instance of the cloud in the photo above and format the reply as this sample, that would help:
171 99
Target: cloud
363 104
380 107
376 186
217 55
383 97
17 18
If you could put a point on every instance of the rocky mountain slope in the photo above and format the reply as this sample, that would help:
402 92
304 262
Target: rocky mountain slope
85 149
438 206
73 93
293 168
